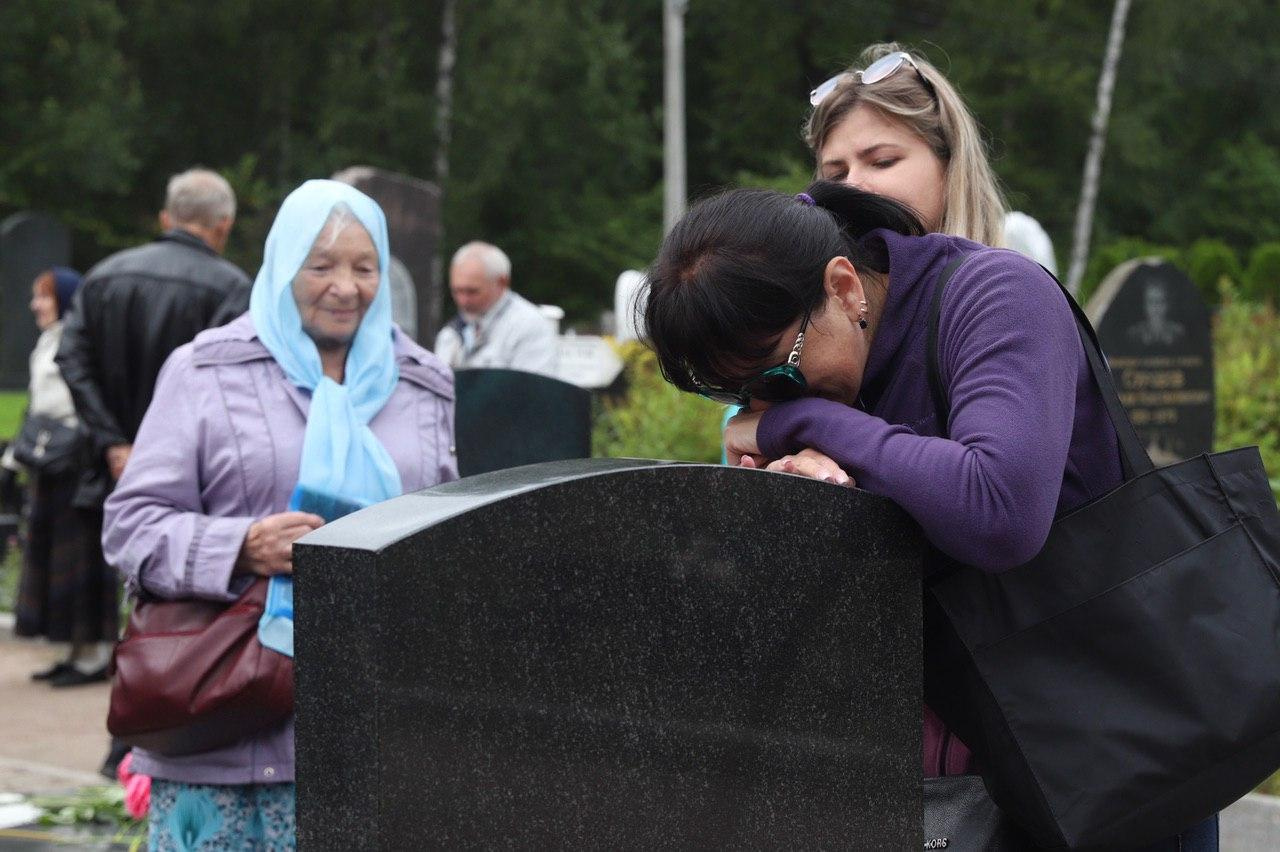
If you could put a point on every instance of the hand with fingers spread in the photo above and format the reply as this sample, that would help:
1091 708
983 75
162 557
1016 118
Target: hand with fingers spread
268 546
814 465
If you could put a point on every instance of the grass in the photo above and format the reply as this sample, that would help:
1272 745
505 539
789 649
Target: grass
9 570
12 404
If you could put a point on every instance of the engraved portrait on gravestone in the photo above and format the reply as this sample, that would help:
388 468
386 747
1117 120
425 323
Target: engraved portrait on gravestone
1156 327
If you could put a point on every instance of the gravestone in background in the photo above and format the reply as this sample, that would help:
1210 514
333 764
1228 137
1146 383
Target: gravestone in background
413 226
587 361
611 653
29 244
508 418
1154 328
404 298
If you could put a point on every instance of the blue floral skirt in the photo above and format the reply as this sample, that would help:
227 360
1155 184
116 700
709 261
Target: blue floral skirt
207 817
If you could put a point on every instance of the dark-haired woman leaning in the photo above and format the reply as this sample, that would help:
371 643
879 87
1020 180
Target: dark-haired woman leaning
812 312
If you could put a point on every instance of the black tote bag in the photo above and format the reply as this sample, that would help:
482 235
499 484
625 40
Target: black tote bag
1125 683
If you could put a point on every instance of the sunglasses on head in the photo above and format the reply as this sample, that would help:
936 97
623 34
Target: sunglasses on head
883 68
782 383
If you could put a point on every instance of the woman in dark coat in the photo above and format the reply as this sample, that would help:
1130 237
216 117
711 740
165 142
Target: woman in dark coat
66 593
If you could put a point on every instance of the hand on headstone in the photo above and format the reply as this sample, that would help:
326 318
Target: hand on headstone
814 465
740 439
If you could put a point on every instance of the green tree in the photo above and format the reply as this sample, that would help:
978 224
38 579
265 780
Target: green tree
552 155
68 110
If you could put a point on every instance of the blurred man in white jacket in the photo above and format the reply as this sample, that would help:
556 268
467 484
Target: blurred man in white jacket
495 327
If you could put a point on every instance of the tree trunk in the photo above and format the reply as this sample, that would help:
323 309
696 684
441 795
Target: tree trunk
1097 141
444 90
674 190
430 299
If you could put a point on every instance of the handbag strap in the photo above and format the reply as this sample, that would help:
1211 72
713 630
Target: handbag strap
1133 454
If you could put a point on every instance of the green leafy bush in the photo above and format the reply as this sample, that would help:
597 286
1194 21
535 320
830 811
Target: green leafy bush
1208 262
1111 255
1262 278
654 420
1246 344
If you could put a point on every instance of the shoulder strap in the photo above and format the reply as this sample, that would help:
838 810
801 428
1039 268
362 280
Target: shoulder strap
1133 454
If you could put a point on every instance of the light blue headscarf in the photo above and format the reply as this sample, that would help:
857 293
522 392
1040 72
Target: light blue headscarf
341 457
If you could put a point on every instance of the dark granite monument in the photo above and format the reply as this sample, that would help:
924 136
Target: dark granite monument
413 227
611 654
508 418
1154 328
29 244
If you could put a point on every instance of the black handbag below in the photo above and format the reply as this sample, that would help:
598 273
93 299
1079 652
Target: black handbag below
48 446
1125 683
959 816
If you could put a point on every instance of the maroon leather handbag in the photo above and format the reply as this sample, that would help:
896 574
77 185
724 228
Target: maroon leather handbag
191 675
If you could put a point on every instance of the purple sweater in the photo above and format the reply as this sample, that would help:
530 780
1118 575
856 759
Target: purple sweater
1029 437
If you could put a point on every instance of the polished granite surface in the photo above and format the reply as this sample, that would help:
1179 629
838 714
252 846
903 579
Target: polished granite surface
611 653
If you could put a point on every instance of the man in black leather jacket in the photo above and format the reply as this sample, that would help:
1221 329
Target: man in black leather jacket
132 311
139 305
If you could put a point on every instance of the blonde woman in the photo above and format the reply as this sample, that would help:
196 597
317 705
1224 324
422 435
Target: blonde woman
892 124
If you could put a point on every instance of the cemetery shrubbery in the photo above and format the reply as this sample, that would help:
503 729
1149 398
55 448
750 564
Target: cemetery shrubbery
1111 255
1208 261
1247 367
1262 277
654 420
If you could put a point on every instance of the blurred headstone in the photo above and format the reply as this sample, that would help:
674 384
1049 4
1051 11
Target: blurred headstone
588 361
554 315
404 298
626 307
1025 235
29 244
612 654
413 227
1154 328
508 418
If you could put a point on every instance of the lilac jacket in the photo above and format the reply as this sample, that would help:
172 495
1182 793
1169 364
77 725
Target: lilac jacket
1029 437
219 448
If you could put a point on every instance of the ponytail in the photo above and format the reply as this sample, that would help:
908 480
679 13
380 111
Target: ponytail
858 213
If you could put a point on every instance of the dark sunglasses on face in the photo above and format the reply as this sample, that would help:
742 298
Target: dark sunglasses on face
782 383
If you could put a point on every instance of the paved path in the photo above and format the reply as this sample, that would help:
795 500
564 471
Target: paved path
50 739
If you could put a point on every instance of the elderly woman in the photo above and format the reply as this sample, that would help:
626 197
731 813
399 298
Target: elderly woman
812 312
313 392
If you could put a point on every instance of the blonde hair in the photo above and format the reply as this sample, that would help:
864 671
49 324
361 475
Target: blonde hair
973 205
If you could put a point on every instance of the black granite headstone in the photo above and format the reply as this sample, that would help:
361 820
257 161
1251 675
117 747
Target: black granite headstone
412 206
1154 327
29 244
611 653
508 418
